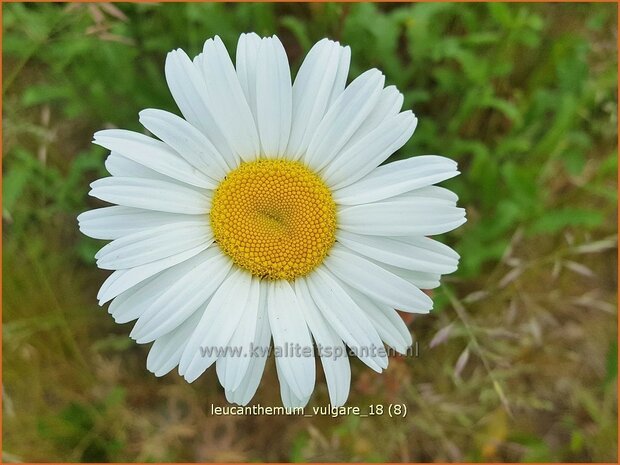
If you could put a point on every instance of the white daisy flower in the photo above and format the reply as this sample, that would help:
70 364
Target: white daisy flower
264 214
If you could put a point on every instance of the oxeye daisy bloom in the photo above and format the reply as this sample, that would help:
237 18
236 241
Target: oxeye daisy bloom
265 213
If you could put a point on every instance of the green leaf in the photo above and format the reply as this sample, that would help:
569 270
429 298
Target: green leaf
554 221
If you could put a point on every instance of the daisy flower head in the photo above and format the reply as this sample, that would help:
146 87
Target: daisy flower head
265 213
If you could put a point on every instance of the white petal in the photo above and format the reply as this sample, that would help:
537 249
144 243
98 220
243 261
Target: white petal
197 61
121 280
262 338
273 97
132 303
319 81
418 253
370 151
191 291
227 101
218 323
376 282
406 217
247 56
153 244
396 178
420 279
188 88
389 104
236 365
433 246
290 332
386 320
151 194
340 81
343 118
153 154
332 350
290 399
187 141
429 192
166 351
346 318
120 166
114 222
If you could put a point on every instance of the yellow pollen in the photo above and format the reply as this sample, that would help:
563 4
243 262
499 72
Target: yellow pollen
275 218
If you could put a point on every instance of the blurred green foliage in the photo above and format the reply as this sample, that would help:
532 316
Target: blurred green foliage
523 96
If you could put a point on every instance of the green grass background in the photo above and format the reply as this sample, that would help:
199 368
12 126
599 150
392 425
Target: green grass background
518 361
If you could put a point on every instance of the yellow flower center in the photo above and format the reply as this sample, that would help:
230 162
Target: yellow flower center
275 218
